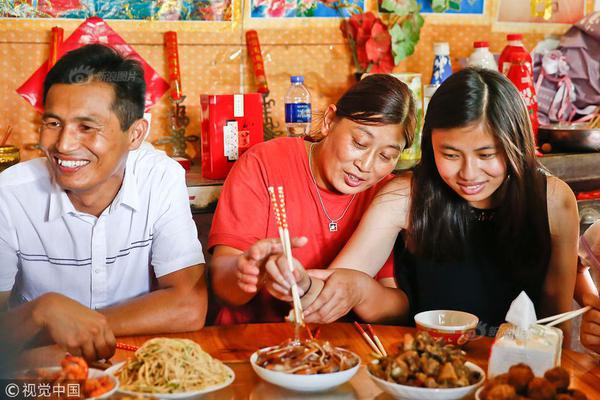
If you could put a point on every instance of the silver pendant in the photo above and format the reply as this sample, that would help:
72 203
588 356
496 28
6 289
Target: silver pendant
333 227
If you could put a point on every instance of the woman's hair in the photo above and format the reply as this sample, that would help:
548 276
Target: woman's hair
439 218
380 99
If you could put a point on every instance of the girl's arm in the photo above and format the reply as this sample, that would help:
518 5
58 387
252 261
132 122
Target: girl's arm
366 252
563 218
374 238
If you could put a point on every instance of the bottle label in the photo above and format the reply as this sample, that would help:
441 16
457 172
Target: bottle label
297 112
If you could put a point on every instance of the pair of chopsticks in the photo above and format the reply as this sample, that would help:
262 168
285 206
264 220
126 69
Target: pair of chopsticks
560 318
127 347
375 343
284 236
313 335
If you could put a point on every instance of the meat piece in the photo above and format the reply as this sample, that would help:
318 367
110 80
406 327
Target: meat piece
501 392
519 376
559 377
540 389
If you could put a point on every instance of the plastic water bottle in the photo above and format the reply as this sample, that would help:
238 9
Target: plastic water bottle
482 57
298 113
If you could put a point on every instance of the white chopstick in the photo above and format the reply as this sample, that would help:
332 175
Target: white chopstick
560 318
284 236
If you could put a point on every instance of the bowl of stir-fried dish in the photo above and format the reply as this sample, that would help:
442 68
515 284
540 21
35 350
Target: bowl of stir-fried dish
305 365
426 369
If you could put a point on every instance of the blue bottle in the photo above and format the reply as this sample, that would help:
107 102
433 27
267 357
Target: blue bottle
298 113
442 68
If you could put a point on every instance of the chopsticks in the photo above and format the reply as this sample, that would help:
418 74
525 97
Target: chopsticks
126 347
284 236
375 343
560 318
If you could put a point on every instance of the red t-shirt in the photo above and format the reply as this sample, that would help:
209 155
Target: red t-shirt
244 215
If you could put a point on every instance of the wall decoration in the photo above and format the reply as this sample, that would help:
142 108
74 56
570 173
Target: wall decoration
453 6
563 12
158 10
305 8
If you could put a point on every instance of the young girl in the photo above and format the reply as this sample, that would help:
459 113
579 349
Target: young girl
479 220
328 185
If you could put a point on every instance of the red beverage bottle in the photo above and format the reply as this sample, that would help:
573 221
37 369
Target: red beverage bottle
521 76
515 45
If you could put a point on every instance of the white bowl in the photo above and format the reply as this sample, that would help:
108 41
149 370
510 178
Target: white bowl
305 383
419 393
456 327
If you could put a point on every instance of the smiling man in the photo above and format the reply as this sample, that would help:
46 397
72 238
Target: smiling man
97 239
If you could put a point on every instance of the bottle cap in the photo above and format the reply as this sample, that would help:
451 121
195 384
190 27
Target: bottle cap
514 36
297 79
441 48
481 44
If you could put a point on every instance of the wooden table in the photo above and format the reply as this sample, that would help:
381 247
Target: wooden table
234 344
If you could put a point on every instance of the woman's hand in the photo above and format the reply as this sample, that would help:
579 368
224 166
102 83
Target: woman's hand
590 324
279 278
251 265
342 292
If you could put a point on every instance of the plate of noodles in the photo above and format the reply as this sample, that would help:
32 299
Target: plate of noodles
305 365
171 369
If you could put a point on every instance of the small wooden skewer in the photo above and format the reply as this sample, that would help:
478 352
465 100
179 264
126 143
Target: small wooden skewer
367 338
309 332
376 339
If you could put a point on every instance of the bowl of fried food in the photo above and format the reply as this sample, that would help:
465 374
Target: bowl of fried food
305 365
426 369
520 383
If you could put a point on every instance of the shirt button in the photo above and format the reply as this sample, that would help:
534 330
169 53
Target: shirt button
97 271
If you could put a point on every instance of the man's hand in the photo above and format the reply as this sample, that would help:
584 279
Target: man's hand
590 324
83 332
251 265
342 292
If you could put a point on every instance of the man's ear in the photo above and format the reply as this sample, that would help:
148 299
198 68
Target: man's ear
328 120
137 132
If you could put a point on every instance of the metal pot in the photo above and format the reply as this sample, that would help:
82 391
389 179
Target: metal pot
574 137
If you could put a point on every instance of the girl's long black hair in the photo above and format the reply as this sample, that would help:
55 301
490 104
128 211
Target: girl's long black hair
439 218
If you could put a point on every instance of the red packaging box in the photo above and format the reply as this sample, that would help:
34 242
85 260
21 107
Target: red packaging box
231 124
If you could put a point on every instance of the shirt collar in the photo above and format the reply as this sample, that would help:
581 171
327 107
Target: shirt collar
60 204
128 194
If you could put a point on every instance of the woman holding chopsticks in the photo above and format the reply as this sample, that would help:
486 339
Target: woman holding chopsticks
477 222
328 185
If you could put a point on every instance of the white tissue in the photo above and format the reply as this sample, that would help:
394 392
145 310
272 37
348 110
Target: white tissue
521 312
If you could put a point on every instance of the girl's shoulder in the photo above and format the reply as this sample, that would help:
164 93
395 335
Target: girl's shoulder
559 195
393 199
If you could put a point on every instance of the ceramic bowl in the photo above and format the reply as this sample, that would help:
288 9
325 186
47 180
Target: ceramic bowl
305 383
419 393
456 327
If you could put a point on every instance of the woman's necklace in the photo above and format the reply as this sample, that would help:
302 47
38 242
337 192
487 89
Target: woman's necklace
333 222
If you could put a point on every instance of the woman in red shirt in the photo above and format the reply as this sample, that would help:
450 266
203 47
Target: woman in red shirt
328 185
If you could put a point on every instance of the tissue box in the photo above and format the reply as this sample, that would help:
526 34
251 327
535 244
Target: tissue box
231 124
540 348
